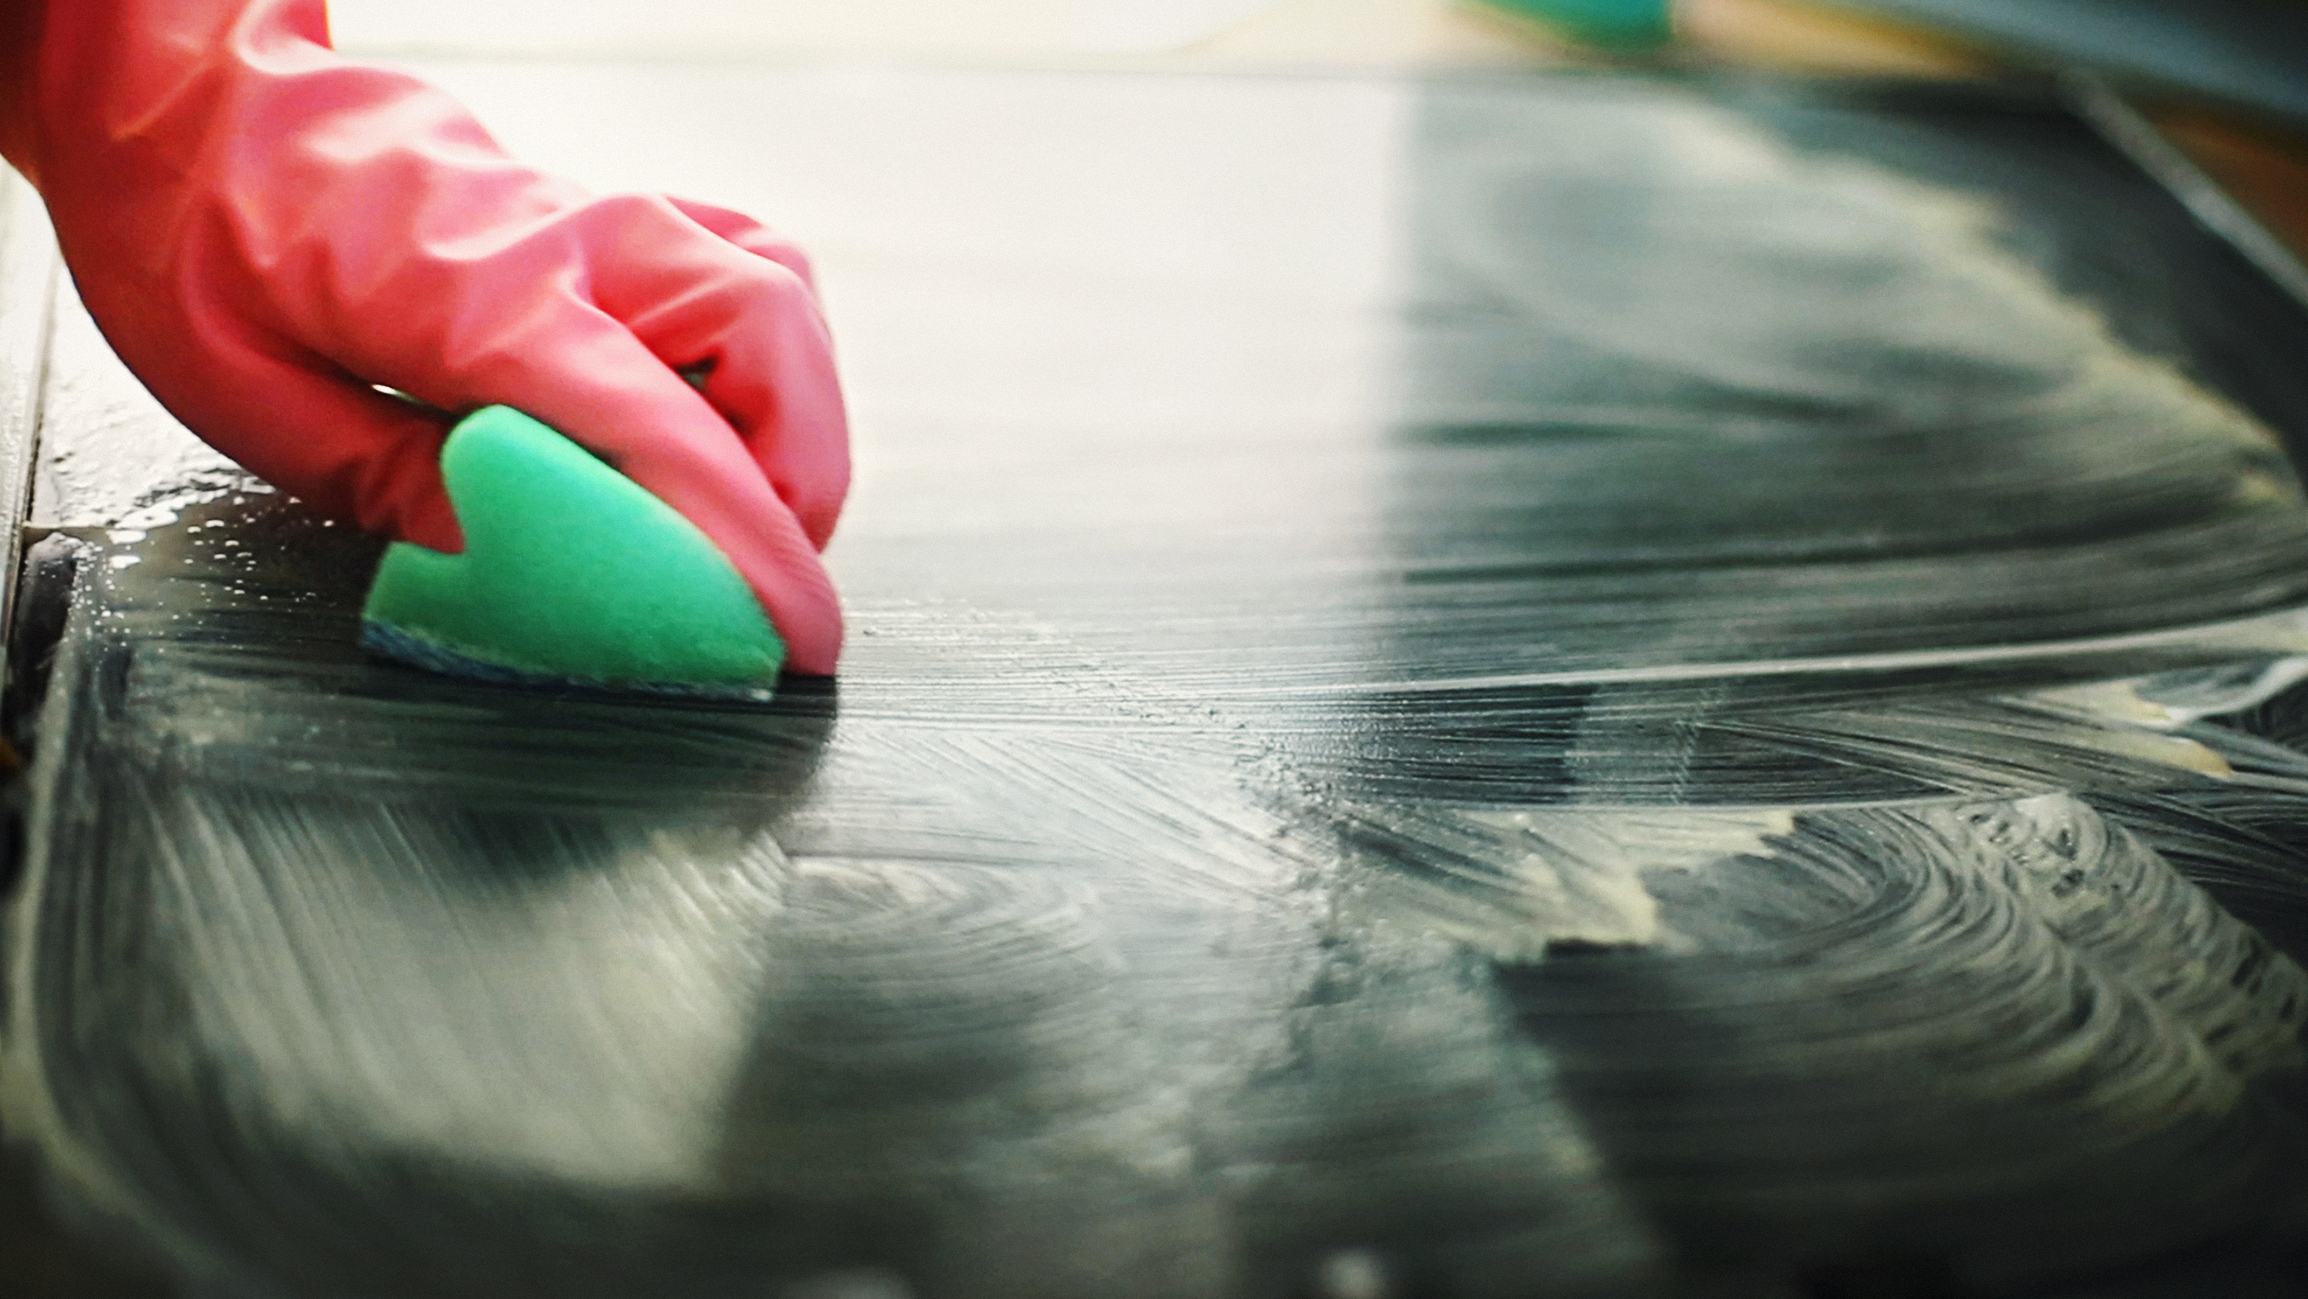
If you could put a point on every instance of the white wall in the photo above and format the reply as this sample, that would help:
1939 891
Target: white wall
736 27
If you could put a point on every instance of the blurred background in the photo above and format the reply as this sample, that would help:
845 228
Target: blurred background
2226 80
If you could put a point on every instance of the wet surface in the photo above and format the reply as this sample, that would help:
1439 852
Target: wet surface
1511 712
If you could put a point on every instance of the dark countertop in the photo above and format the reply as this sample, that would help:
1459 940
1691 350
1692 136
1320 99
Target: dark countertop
1463 685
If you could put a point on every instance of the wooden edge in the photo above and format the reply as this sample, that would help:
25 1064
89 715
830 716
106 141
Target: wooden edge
2134 134
2264 165
28 272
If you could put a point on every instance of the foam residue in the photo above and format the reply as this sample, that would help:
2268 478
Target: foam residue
1597 826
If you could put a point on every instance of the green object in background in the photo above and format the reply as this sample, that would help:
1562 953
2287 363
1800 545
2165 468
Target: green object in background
571 572
1618 24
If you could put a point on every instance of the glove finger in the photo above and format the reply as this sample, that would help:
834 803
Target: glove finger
340 446
769 371
768 360
751 235
585 374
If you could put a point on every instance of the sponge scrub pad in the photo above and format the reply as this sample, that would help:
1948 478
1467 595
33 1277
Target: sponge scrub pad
571 573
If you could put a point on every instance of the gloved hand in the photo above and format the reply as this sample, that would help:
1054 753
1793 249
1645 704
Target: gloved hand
264 230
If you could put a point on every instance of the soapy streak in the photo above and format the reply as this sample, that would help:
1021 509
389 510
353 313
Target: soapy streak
1154 907
640 859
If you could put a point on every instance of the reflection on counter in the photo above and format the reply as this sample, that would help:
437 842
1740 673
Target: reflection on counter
1756 743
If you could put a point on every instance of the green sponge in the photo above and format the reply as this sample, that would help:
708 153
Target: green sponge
1616 24
571 573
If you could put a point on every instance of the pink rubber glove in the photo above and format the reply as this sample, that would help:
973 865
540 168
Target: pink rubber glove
264 229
